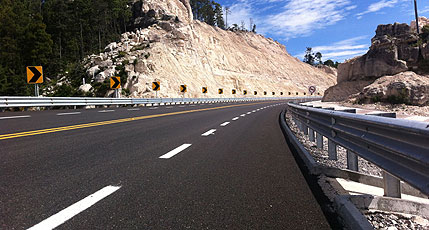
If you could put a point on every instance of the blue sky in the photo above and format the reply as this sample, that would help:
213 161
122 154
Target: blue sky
339 29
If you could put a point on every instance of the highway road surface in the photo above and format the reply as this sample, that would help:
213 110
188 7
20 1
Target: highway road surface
217 166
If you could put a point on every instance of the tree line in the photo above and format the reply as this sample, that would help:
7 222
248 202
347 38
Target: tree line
209 12
57 35
316 59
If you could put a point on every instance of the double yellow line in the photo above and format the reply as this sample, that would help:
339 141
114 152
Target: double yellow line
101 123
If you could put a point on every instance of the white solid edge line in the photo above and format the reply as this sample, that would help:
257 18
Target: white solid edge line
235 118
175 151
64 114
4 118
210 132
68 213
225 124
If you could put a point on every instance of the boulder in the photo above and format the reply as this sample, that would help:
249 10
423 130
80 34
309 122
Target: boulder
93 71
85 88
408 87
111 47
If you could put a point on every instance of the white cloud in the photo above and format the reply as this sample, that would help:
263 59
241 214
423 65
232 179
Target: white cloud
292 18
341 50
301 17
377 6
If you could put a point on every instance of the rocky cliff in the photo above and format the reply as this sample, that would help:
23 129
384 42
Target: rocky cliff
169 46
395 49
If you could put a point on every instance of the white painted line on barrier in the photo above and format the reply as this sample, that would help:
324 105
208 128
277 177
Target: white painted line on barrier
235 118
225 124
65 114
68 213
15 117
133 109
106 111
175 151
210 132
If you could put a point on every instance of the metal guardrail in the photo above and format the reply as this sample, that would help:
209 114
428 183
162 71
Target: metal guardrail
9 102
399 147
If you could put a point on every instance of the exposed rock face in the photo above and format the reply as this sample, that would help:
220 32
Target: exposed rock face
422 22
190 52
150 12
407 87
393 50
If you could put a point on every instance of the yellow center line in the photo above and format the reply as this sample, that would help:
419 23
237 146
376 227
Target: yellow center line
101 123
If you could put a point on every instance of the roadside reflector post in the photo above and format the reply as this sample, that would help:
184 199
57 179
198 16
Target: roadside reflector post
352 161
392 186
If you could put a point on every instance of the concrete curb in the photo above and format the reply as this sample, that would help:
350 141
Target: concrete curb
352 217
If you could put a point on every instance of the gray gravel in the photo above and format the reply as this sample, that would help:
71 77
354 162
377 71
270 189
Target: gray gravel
321 156
393 221
379 219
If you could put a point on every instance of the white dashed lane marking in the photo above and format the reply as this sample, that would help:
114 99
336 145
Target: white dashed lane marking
15 117
106 111
154 108
68 213
225 124
235 118
175 151
133 109
65 114
242 115
210 132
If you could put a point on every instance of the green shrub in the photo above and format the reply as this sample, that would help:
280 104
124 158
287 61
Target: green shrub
122 54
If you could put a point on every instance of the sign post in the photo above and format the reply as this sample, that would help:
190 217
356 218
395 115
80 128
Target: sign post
156 86
115 83
183 89
35 76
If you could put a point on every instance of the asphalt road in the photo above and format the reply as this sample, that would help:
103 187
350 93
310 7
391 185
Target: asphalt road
222 166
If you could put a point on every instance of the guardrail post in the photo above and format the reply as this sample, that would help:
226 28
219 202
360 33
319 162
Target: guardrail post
311 135
352 161
392 186
319 140
305 128
332 150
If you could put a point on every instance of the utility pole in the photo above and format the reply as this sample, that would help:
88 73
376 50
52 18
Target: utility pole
417 17
227 11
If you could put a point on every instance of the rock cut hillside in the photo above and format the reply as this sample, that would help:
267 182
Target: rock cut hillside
169 46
